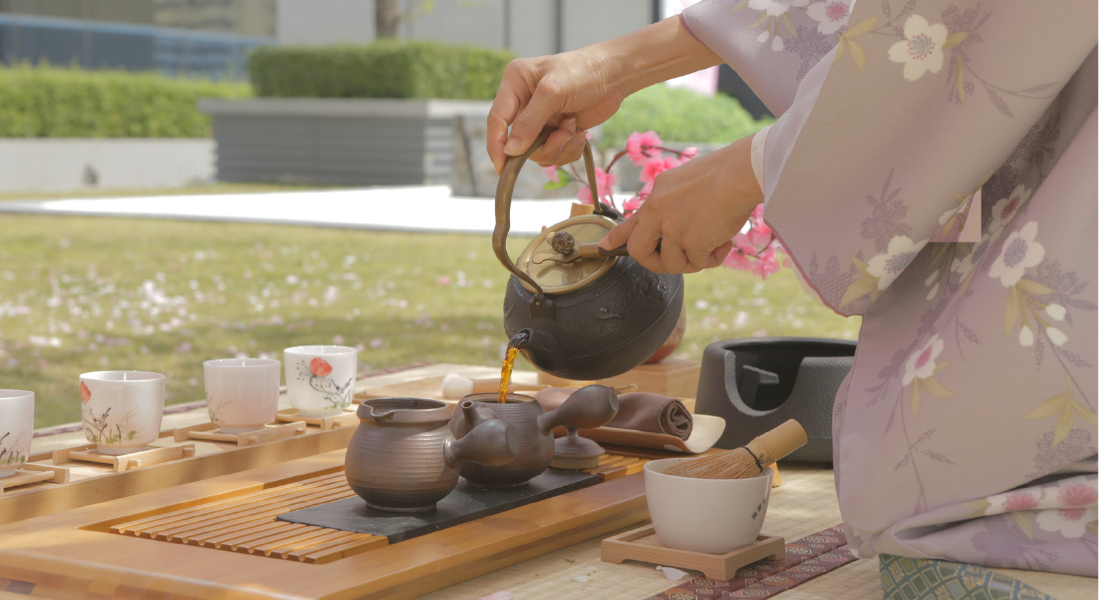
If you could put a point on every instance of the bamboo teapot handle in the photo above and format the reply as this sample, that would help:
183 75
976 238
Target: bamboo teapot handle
507 184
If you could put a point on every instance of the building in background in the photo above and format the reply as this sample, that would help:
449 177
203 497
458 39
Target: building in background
526 27
175 37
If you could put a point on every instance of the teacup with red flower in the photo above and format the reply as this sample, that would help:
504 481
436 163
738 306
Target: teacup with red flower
320 380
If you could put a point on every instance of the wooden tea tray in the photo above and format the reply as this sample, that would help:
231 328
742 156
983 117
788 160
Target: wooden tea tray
217 538
81 483
642 544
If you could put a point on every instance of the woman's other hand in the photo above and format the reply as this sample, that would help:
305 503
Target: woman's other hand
578 90
694 209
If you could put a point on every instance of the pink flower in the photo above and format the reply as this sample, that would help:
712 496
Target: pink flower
760 235
604 181
689 153
640 146
767 264
551 173
654 166
1020 501
320 367
737 260
1077 494
632 205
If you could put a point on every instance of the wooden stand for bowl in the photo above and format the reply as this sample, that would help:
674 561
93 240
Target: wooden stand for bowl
642 544
32 473
123 462
212 433
290 415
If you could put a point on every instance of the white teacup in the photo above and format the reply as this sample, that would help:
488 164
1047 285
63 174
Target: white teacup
320 379
121 410
715 516
16 429
242 394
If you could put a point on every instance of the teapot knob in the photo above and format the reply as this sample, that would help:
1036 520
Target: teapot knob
587 408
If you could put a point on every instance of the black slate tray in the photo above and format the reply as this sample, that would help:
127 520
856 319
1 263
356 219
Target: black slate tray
466 503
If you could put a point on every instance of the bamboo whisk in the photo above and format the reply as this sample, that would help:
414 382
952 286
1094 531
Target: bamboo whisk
749 460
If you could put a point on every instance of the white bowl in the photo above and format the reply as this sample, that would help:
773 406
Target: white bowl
121 410
16 429
242 394
714 516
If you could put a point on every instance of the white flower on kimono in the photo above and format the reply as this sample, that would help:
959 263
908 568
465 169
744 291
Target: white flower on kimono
1020 251
1077 497
1006 208
922 363
900 252
922 48
776 8
830 15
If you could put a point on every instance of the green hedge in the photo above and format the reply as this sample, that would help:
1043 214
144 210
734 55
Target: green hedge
679 115
44 101
386 69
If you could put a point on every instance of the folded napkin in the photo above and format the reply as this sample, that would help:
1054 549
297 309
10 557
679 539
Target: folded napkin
640 411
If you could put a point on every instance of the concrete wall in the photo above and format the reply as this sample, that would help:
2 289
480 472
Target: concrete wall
370 141
527 27
73 164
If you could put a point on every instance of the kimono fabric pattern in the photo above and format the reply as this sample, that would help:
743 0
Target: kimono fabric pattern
967 427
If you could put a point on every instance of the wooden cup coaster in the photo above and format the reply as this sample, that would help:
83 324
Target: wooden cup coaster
209 432
124 462
32 473
642 544
290 415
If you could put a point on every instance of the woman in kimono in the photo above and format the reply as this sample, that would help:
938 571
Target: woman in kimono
933 168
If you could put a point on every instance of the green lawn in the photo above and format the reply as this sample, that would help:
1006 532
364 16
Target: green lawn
80 294
211 188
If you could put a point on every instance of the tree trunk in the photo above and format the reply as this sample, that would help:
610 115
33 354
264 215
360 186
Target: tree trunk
387 14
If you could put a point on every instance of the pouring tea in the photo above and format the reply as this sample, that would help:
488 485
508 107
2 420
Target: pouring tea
587 314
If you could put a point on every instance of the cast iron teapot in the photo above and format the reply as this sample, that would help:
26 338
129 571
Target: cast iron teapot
573 309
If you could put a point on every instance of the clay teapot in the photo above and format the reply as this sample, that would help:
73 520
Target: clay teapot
402 458
534 426
588 313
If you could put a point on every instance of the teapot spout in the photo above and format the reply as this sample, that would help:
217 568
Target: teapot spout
520 339
493 443
473 415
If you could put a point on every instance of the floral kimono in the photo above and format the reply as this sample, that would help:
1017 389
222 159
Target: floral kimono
966 429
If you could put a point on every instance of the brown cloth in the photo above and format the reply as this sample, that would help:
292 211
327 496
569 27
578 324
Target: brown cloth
640 411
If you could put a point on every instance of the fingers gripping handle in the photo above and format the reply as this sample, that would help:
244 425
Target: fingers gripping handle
506 186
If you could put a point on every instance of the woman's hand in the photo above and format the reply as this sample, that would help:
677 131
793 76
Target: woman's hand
578 90
573 91
694 210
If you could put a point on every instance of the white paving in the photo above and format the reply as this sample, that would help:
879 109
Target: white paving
414 208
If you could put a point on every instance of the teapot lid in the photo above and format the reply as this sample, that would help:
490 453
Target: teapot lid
542 259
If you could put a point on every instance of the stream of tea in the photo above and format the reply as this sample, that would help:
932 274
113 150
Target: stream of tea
506 373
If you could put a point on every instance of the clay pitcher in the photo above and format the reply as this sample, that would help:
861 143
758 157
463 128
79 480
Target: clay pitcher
534 427
402 457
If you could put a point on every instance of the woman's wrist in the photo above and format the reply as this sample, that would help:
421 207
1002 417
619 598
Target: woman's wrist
656 53
736 181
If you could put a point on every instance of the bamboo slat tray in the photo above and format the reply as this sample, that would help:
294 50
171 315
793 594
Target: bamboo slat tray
75 480
218 539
